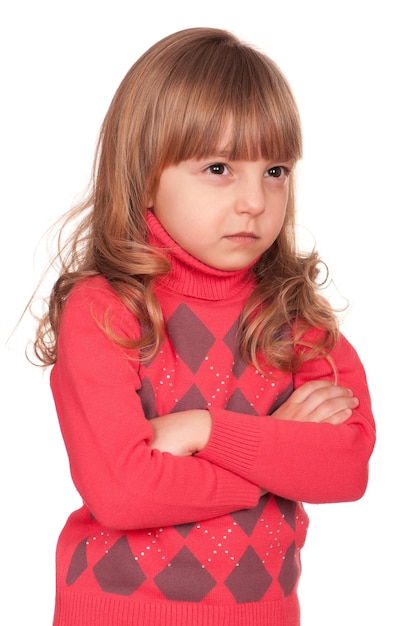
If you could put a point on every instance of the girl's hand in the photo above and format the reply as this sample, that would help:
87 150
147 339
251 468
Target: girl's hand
318 401
183 433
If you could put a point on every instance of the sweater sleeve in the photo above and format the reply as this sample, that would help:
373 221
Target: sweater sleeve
306 461
124 483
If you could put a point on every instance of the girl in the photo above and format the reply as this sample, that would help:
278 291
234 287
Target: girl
201 383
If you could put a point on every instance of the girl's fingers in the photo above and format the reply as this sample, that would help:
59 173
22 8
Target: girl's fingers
333 410
318 401
307 389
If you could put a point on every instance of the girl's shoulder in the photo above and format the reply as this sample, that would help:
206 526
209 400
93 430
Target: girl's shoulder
95 299
91 286
93 290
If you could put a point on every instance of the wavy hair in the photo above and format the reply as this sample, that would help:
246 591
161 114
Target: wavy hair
176 103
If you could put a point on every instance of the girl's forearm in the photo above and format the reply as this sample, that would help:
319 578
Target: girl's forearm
183 433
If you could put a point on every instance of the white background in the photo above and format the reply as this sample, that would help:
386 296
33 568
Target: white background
352 68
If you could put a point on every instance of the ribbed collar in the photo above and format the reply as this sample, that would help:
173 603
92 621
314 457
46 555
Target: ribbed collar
190 277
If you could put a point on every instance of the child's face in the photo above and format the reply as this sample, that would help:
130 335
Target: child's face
224 213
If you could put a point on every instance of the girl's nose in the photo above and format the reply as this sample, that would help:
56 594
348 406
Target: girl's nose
251 197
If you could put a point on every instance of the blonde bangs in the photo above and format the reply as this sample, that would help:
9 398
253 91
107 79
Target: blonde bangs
225 96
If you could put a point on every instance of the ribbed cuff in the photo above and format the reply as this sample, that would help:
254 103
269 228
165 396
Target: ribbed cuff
234 442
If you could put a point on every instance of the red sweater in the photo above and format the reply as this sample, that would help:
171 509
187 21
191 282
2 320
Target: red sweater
185 541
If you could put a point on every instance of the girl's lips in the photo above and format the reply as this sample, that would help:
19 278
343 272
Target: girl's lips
244 238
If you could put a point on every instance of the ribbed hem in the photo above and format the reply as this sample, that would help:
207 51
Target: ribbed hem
88 610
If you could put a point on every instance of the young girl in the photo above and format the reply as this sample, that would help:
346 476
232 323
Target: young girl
201 383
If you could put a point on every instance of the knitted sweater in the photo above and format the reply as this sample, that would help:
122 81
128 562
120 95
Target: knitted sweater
187 541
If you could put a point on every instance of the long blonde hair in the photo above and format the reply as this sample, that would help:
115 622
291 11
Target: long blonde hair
176 103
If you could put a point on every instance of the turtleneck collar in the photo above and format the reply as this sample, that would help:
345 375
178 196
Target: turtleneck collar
190 277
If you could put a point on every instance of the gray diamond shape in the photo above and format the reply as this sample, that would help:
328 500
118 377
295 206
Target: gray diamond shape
78 563
248 518
193 399
190 337
184 579
288 510
184 529
249 581
239 403
148 399
118 571
231 341
289 573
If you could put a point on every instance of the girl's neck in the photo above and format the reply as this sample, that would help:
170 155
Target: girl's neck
190 277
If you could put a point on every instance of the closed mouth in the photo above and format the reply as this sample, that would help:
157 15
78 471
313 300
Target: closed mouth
242 236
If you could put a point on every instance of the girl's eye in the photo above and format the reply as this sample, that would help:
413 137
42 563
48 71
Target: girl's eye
217 168
278 171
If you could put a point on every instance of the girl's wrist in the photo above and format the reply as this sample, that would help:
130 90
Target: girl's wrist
204 428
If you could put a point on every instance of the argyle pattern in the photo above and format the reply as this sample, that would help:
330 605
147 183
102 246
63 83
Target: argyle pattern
202 563
247 556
